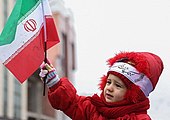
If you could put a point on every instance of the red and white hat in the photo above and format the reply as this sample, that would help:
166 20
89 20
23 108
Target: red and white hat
143 69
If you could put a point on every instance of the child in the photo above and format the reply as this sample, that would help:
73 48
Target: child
131 77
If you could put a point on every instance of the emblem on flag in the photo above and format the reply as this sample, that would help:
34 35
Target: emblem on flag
30 25
22 40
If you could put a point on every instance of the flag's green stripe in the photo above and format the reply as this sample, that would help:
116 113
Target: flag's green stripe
27 7
21 9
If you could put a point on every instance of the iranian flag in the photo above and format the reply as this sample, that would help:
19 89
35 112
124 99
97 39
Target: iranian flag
29 26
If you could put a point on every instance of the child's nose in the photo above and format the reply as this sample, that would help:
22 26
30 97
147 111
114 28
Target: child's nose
110 88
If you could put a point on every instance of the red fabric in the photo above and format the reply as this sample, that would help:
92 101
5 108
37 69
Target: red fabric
145 62
133 94
155 66
117 109
62 96
30 56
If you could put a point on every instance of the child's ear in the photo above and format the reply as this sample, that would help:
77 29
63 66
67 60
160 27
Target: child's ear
134 94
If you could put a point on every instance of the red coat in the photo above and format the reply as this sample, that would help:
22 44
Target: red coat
62 96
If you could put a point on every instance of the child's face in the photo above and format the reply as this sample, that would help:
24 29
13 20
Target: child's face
115 89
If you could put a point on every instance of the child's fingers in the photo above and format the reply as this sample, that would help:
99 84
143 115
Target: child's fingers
48 62
42 66
48 67
43 73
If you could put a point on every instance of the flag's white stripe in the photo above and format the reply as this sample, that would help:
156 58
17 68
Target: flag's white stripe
22 36
21 48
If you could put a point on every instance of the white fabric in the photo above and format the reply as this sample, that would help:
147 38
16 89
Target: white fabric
134 76
52 77
22 37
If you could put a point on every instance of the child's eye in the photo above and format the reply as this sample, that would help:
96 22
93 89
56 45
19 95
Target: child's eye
108 82
118 85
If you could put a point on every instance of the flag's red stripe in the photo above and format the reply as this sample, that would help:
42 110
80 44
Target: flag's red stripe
29 59
52 35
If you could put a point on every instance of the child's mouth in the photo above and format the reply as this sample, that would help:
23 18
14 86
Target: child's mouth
109 96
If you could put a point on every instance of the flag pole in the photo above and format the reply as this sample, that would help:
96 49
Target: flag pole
45 44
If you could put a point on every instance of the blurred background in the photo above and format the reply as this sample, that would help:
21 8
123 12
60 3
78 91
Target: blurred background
91 31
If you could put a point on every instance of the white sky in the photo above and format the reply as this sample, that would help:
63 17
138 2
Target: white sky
105 27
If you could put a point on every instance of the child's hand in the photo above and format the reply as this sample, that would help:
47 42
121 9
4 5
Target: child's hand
52 76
